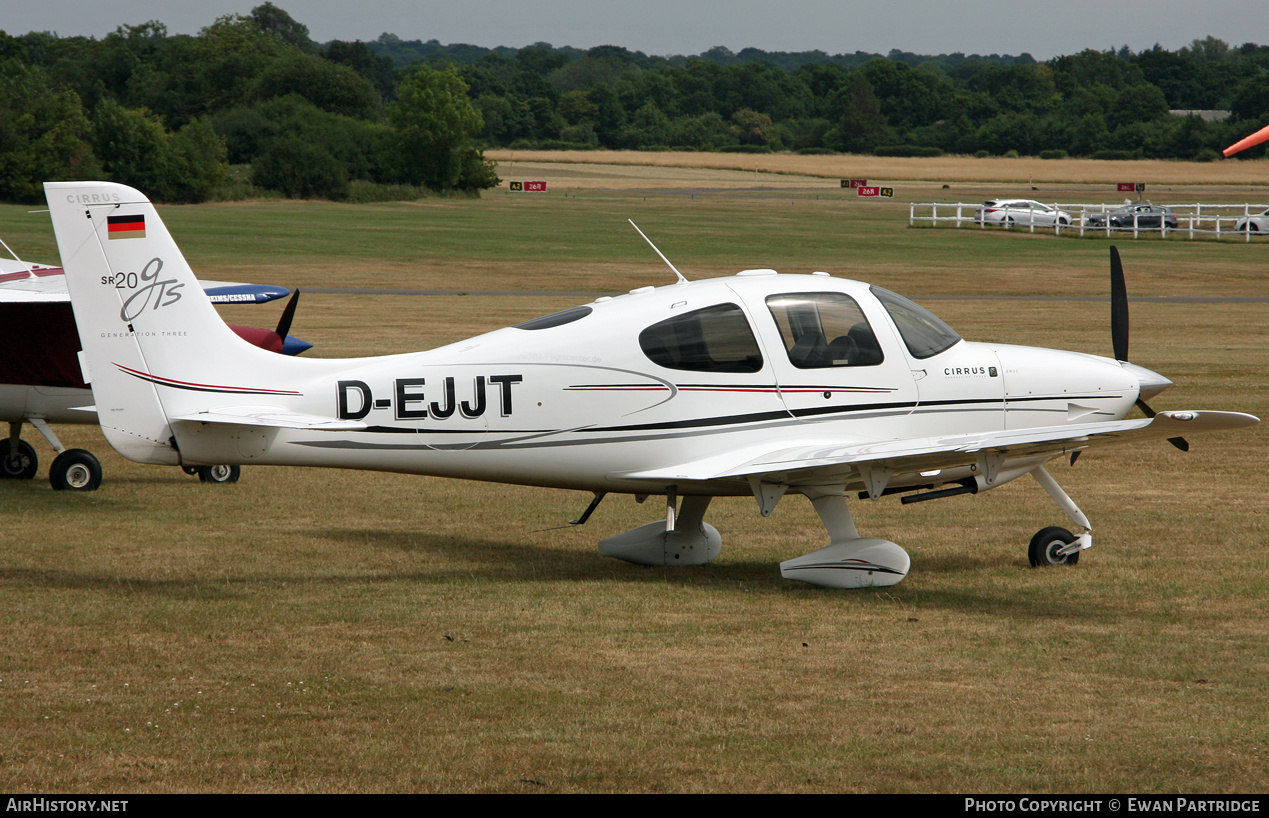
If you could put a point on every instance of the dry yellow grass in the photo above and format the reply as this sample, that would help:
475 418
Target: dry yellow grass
691 169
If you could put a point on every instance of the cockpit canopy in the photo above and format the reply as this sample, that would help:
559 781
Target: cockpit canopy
818 330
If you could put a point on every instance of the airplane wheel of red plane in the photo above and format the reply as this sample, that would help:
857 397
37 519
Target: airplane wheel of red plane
75 470
19 465
1046 544
219 474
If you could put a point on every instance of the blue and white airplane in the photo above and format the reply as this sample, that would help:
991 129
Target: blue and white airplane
757 384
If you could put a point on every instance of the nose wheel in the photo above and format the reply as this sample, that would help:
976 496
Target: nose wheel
1047 545
1054 545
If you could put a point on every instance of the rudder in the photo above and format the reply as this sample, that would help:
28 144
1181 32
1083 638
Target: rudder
143 319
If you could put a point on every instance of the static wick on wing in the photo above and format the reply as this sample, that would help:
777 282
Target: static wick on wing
682 279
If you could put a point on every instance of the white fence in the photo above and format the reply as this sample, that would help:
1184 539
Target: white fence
1193 220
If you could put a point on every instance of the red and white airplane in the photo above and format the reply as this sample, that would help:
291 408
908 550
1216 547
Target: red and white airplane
40 380
757 384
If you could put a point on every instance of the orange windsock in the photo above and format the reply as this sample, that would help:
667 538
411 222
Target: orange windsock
1249 142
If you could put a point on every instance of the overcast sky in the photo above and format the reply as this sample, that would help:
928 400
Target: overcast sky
666 27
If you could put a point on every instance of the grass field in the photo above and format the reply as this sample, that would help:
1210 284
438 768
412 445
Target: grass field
321 630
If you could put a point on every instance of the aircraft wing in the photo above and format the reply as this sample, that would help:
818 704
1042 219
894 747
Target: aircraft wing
820 463
31 283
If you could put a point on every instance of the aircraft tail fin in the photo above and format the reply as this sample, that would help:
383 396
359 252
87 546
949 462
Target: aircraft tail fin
154 347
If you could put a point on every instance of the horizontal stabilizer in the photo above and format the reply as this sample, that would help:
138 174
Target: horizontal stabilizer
271 417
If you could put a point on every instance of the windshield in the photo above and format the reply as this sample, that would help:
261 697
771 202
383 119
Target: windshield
924 333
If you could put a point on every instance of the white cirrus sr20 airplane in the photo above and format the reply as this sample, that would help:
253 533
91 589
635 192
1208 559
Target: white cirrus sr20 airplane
757 384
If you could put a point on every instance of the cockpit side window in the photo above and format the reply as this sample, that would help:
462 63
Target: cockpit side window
823 330
924 333
714 339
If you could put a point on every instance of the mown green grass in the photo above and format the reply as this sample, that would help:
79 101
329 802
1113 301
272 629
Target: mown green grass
322 630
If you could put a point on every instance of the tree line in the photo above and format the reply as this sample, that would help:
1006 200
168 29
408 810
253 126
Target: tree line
1101 104
172 114
252 103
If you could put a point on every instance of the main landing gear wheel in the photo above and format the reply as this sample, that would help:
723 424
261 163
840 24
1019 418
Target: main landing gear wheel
75 470
1046 544
219 474
19 465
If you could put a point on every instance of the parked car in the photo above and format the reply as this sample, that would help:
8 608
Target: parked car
1020 212
1256 224
1144 216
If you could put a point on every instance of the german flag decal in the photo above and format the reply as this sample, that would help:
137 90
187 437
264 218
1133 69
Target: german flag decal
125 227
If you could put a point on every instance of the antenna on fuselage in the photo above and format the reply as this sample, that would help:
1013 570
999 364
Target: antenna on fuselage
682 280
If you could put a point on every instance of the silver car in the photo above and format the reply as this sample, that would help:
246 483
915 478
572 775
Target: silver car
1258 223
1022 212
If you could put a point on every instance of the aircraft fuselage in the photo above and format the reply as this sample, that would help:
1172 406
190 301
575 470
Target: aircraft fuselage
578 403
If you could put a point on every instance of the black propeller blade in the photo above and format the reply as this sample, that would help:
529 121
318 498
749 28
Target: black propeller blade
288 315
1118 306
1119 331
